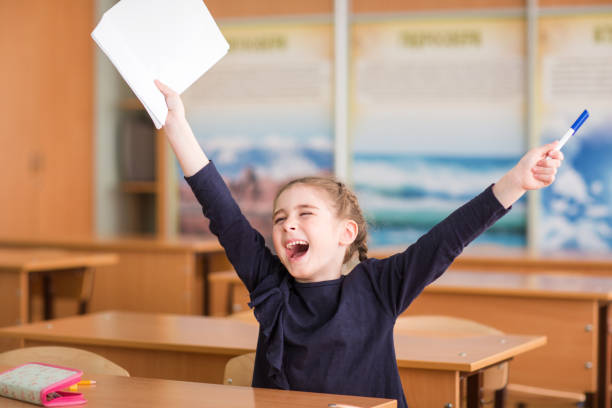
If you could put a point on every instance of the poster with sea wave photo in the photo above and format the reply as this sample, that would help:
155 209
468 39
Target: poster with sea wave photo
437 116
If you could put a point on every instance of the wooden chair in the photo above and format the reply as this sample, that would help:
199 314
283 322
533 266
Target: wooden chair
46 288
494 379
88 362
227 293
239 370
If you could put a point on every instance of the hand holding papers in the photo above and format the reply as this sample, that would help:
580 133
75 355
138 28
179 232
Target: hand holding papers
174 41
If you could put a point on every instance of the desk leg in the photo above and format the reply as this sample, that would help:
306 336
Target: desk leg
474 390
14 292
205 265
15 295
604 365
500 398
430 388
47 288
86 290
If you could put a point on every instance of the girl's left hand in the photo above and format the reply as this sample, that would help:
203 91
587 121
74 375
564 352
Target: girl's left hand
534 171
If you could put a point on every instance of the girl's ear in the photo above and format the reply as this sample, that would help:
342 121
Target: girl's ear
349 232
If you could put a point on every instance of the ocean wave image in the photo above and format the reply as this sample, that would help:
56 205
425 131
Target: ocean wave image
404 195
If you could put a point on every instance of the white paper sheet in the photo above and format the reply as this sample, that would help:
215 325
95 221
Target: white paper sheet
175 41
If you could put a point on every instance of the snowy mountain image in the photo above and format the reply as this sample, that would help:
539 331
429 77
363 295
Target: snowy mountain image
254 170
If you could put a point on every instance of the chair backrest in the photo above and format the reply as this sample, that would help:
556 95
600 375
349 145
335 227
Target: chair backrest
494 378
88 362
246 316
239 370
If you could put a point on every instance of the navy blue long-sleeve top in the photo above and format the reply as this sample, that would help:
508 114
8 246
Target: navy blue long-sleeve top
334 336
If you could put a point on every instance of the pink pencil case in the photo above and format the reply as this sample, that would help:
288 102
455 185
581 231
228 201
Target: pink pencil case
40 384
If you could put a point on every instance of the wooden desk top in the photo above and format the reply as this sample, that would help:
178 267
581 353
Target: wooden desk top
520 260
231 337
157 331
466 354
32 260
189 244
132 392
561 286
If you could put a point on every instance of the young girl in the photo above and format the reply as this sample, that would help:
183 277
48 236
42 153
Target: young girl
322 330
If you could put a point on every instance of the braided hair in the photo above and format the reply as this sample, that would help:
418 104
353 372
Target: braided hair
346 206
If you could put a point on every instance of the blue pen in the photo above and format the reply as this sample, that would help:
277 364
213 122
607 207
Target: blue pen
570 132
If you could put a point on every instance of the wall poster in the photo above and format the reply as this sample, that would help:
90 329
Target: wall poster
263 114
437 116
574 73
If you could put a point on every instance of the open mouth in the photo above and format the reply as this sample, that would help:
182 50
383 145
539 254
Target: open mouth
296 249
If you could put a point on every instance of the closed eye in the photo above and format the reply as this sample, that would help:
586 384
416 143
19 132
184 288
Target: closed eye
305 213
279 219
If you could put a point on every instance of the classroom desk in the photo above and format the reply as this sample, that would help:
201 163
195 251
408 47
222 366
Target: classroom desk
19 266
133 392
520 260
197 348
572 310
229 295
152 274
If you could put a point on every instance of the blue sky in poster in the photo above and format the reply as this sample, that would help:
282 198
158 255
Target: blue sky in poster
577 209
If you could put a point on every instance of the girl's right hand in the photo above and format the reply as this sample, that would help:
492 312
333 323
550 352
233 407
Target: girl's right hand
179 133
176 110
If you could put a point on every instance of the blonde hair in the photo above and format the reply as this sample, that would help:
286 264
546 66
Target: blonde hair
346 206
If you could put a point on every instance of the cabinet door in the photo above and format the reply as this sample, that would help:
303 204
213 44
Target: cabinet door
46 117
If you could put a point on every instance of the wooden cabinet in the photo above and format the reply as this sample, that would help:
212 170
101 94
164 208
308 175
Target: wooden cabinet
46 117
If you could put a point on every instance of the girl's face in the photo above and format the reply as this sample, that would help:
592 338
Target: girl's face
308 237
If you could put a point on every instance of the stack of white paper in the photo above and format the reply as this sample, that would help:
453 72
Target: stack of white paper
175 41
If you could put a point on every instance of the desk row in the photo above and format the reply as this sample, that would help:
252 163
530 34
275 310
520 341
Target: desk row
193 348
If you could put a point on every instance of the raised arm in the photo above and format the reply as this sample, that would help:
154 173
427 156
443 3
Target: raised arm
244 246
401 277
186 147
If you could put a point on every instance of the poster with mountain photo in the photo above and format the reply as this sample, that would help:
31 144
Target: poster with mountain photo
263 115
